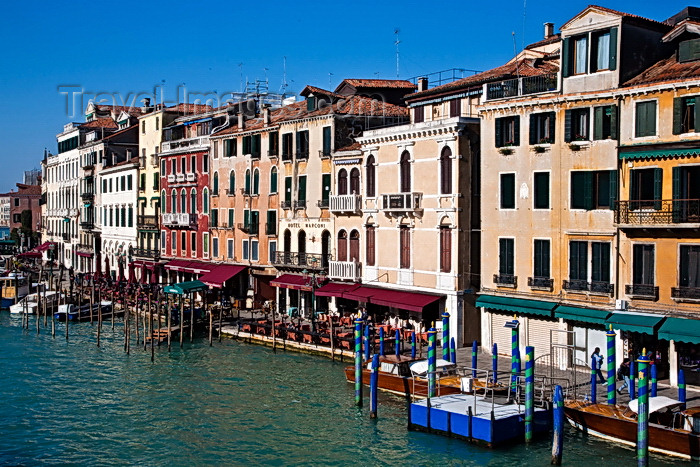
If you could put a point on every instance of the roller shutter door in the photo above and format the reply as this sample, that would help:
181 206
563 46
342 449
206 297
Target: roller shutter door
500 334
538 335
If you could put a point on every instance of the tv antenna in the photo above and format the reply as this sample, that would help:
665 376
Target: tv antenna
397 42
283 88
240 67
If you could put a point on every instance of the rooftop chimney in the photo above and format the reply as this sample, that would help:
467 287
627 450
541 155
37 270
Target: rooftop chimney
266 114
548 30
422 84
240 120
146 105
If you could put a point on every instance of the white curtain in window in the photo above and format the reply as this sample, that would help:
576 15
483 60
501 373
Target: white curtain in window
603 59
581 53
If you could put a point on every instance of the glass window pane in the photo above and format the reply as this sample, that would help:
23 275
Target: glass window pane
603 59
581 55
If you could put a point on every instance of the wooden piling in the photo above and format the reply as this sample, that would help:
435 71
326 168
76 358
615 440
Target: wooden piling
182 318
211 329
150 327
112 310
92 297
191 317
159 309
168 313
99 316
67 310
220 312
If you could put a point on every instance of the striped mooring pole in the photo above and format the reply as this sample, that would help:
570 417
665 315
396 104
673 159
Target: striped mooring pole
413 344
397 343
515 353
643 412
381 341
515 371
681 387
633 374
368 347
475 348
612 389
558 426
358 362
529 392
494 362
432 363
453 351
373 379
594 382
654 379
446 336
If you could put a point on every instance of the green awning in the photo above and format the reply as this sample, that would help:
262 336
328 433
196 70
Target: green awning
587 315
186 287
625 321
659 153
516 305
681 329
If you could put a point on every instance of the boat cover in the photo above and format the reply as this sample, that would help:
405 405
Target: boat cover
421 368
655 403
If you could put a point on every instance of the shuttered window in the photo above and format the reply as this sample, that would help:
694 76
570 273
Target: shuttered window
646 188
605 122
405 169
215 187
355 181
231 218
370 245
342 182
230 147
542 127
508 131
593 189
455 107
405 246
446 171
273 180
302 144
247 145
288 190
342 245
541 259
326 188
689 263
256 182
255 146
301 194
578 261
418 116
577 124
600 264
645 119
326 141
643 264
508 191
541 186
271 226
371 180
273 143
354 245
287 141
445 249
506 256
686 114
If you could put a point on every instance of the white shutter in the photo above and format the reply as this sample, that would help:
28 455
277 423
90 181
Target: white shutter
538 335
501 335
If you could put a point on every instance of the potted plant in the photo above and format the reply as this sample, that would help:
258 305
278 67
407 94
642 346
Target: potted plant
507 148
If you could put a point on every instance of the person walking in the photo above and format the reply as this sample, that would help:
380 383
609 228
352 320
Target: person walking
623 374
597 361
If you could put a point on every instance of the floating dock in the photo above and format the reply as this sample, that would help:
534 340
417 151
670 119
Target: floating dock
475 419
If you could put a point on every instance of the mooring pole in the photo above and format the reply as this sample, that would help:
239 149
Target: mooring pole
358 362
654 379
381 341
453 351
432 363
374 378
594 382
182 318
681 387
397 343
529 392
643 411
558 426
633 374
494 362
368 348
612 390
446 336
475 349
413 344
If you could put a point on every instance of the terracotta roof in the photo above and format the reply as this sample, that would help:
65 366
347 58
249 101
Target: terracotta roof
105 122
668 69
308 89
354 146
27 190
523 67
131 110
190 108
615 12
687 25
133 160
546 41
377 83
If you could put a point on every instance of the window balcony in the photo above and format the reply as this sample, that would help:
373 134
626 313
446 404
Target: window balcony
66 236
505 280
250 228
324 154
323 203
180 220
521 86
85 249
402 203
191 177
294 260
245 191
147 253
346 203
658 213
271 229
642 291
184 145
87 196
300 204
286 204
180 178
540 283
596 287
147 222
272 154
87 225
230 192
344 270
171 178
302 155
685 293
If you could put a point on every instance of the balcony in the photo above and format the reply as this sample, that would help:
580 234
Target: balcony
86 225
540 283
402 203
85 249
191 177
596 287
521 86
324 154
87 196
225 226
642 291
287 157
249 228
147 222
302 155
245 191
658 213
65 237
685 293
346 203
505 280
294 260
272 154
300 204
183 145
171 178
180 178
149 253
180 220
286 204
230 192
323 203
344 270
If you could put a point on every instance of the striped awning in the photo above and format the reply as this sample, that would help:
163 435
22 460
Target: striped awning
630 153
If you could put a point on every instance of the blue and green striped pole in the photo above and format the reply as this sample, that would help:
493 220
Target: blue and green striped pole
529 392
643 412
494 362
612 389
373 380
381 341
446 336
397 345
358 362
432 363
515 352
558 426
453 350
475 348
515 370
681 387
594 382
366 342
413 344
633 374
654 379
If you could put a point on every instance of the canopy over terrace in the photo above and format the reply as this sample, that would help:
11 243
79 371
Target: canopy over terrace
404 300
220 274
183 288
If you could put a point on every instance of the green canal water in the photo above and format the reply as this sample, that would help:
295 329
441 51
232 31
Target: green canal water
230 404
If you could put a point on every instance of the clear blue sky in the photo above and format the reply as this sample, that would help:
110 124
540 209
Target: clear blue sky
130 47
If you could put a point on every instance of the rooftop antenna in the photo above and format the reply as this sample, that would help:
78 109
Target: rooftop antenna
515 54
397 42
284 75
329 80
240 66
524 11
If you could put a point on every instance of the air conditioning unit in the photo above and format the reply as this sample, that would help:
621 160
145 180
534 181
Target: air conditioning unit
621 305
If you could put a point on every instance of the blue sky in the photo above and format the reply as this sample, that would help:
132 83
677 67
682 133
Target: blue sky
123 48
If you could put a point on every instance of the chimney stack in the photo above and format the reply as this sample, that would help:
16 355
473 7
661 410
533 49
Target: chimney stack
548 30
146 105
422 84
240 120
266 114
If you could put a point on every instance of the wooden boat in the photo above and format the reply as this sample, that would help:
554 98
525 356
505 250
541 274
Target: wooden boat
672 431
14 288
30 303
73 313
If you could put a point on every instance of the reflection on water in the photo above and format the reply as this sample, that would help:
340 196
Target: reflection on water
232 404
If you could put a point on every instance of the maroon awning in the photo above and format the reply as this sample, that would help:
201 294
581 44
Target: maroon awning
292 281
335 289
183 265
44 246
29 254
220 274
82 254
360 294
412 301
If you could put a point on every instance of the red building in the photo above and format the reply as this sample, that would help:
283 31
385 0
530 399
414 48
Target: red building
26 198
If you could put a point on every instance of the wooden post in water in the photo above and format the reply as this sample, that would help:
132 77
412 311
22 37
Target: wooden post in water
150 327
358 362
99 315
92 296
330 325
220 313
159 309
558 426
67 316
182 317
137 307
191 317
211 328
53 318
45 307
594 382
112 317
168 312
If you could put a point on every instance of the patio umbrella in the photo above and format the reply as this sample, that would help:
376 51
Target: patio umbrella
154 275
144 274
132 273
107 272
120 276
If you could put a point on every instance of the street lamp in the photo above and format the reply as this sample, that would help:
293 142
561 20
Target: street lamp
314 280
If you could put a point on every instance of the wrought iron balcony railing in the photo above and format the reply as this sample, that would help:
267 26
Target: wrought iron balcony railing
147 222
658 212
86 225
251 228
540 282
151 253
692 293
642 291
505 280
300 204
284 204
577 285
521 86
292 259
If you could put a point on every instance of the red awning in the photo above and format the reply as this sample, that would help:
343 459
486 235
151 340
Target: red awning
292 281
44 246
335 289
412 301
361 294
82 254
220 274
183 265
29 254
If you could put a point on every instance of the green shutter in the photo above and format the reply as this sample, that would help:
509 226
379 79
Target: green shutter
507 191
613 122
256 182
326 140
658 181
567 127
302 189
641 119
565 53
634 189
598 113
298 137
231 217
538 258
573 261
697 114
516 131
577 187
246 145
326 190
596 270
310 103
273 181
588 190
255 145
288 190
533 128
156 181
246 218
247 181
677 115
552 126
651 118
583 260
216 183
612 64
227 148
613 189
676 194
499 132
271 227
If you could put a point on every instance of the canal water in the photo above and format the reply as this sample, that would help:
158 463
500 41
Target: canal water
230 404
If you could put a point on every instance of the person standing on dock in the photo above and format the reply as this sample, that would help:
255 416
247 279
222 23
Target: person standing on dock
623 374
598 361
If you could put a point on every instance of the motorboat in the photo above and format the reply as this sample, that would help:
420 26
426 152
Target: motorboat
30 303
82 313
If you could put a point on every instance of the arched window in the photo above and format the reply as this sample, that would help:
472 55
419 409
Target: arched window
369 245
256 182
273 180
232 183
405 172
371 181
325 248
342 246
446 171
205 201
355 181
193 200
343 182
215 188
173 201
183 201
354 245
302 247
162 201
247 181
